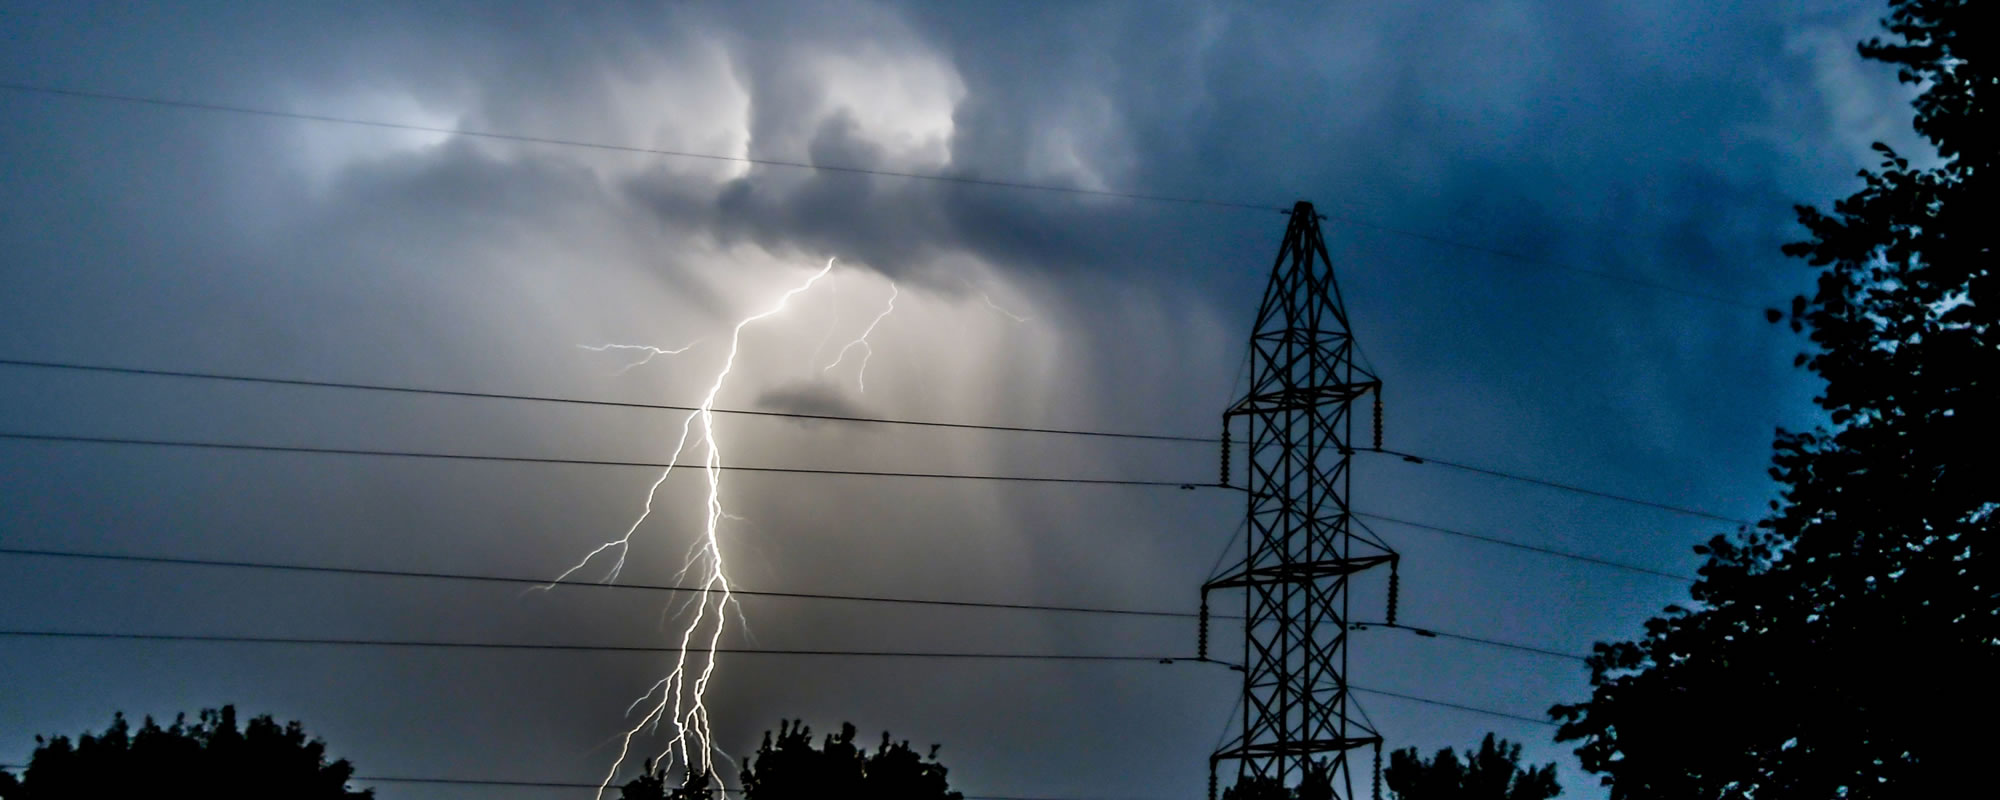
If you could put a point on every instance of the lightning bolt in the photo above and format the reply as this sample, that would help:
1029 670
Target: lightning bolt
623 544
867 350
679 703
651 352
996 307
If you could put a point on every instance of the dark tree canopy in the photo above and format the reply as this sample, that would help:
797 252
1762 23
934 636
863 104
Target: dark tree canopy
209 760
1316 784
1837 649
1493 772
790 768
652 784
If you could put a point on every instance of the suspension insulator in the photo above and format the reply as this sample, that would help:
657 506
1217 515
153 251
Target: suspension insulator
1201 639
1395 589
1211 780
1378 415
1225 454
1378 770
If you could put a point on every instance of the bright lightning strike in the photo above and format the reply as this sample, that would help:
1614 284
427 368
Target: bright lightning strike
679 703
867 350
1004 312
623 544
650 351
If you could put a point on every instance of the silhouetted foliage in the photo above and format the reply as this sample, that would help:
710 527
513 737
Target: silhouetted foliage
210 759
1257 787
652 785
788 767
1831 645
1493 772
1316 784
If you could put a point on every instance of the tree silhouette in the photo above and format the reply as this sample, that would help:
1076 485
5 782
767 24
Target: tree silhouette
1257 787
653 781
210 759
1316 784
788 767
1492 773
1829 644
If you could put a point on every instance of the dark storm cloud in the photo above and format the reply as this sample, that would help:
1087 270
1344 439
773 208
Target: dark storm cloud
817 398
1533 132
1664 145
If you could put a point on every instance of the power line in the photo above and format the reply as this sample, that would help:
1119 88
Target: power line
1529 547
1567 487
520 581
1472 709
1431 238
792 470
379 387
351 451
618 148
1432 632
525 581
581 648
389 388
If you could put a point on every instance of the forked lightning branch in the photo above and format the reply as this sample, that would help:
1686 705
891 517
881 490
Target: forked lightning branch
678 700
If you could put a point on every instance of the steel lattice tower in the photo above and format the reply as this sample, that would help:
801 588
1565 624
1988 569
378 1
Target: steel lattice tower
1301 551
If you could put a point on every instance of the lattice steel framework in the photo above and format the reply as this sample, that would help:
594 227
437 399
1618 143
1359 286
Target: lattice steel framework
1300 551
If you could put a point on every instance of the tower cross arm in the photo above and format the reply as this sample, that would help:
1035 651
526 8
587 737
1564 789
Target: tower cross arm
1298 571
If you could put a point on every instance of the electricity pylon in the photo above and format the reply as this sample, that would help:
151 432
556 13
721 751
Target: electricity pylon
1301 549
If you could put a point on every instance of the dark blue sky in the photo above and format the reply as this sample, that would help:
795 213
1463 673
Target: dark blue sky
1663 146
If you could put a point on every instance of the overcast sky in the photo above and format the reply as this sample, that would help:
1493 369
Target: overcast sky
1661 147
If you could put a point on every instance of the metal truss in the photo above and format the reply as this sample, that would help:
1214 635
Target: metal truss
1300 551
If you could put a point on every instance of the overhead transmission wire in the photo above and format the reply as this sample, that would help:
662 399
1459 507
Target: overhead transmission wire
534 398
1365 718
636 587
1215 570
1567 487
1223 736
18 436
415 454
619 148
544 582
1435 633
301 449
1548 551
438 644
1372 537
953 655
1431 238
